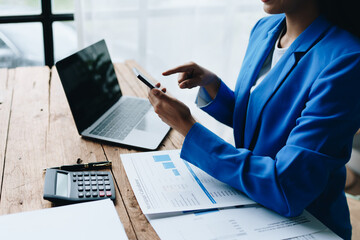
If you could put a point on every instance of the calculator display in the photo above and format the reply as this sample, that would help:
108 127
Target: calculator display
62 184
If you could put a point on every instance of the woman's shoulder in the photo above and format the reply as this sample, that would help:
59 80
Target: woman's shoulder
342 39
338 42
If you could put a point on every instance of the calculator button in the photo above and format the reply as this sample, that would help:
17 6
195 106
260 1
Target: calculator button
87 183
100 182
108 193
87 188
107 182
80 183
74 174
79 174
80 178
93 178
86 174
81 195
94 194
81 189
106 178
107 187
100 178
88 194
101 193
93 182
94 188
101 187
93 174
86 178
74 179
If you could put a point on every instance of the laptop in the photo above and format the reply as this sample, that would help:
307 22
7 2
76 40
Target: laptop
98 107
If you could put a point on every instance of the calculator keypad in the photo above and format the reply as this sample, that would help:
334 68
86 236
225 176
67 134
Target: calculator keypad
93 184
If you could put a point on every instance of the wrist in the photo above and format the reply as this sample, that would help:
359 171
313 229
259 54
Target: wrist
213 87
188 124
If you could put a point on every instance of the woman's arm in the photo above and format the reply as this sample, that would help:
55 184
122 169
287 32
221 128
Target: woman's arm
300 171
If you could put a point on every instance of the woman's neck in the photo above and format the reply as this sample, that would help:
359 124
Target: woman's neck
297 21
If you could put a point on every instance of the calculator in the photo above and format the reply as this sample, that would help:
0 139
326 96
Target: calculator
71 187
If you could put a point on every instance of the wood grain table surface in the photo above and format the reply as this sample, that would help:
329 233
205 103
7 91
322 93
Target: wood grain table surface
37 131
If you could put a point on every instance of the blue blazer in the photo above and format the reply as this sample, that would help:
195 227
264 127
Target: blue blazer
294 133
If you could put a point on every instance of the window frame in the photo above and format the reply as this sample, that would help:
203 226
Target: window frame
46 18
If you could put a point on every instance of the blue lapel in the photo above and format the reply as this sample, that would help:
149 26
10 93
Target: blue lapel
261 95
247 77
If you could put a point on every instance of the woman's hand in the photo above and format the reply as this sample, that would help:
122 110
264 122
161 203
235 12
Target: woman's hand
173 112
192 75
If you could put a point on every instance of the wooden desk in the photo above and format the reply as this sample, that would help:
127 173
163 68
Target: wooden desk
37 131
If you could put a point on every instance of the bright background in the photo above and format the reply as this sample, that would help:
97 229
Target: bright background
161 34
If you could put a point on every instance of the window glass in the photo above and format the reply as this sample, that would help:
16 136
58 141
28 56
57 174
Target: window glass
2 44
112 7
63 6
65 39
176 4
19 7
22 45
121 40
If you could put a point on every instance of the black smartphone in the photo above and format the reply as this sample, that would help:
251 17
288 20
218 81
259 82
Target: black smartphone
143 79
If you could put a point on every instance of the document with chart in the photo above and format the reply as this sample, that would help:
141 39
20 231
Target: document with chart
164 183
248 223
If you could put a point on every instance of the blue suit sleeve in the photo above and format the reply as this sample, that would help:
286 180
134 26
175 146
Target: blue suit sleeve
317 145
224 100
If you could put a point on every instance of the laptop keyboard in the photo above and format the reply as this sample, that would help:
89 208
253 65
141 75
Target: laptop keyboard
122 120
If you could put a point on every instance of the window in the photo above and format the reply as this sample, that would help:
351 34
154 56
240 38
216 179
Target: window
31 30
23 45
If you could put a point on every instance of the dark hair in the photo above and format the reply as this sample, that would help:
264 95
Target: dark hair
344 13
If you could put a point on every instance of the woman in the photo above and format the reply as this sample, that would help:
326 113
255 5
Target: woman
294 111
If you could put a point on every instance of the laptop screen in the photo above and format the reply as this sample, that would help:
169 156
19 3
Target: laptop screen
90 83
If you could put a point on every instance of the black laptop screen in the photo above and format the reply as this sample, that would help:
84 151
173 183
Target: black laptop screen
90 83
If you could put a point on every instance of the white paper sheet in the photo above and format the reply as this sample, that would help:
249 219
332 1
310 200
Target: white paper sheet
240 224
163 183
91 221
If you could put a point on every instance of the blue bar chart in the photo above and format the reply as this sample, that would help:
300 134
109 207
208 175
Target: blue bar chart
167 163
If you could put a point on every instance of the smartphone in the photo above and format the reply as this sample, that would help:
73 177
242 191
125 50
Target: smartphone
143 79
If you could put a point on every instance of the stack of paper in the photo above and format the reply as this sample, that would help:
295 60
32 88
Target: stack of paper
240 224
92 221
167 188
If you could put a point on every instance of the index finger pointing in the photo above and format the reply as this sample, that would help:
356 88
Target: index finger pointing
182 68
